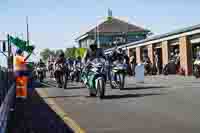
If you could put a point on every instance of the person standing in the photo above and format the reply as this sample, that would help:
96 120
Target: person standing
21 73
133 64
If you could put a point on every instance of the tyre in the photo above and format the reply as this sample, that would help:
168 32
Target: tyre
111 84
100 86
196 72
93 93
65 81
165 70
40 77
77 76
122 81
60 81
41 80
154 70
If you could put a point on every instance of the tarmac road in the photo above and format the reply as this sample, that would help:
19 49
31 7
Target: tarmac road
163 104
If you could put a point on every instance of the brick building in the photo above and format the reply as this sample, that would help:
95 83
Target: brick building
186 40
112 32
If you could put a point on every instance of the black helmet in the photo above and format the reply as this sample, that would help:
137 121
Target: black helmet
61 54
93 47
79 57
19 51
120 50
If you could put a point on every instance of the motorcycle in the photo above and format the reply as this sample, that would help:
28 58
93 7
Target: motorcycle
196 68
71 73
40 73
59 74
118 73
77 73
147 68
95 77
172 67
50 68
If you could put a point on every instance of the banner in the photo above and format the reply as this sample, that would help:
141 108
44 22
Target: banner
80 52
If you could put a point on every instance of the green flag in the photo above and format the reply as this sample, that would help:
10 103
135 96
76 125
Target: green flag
21 44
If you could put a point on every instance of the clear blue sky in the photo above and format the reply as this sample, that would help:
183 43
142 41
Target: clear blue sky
56 23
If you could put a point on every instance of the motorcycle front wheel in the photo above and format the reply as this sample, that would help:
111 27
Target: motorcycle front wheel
100 86
111 80
121 81
165 70
196 72
41 78
65 81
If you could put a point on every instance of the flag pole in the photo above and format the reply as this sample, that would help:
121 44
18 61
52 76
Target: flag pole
27 30
98 43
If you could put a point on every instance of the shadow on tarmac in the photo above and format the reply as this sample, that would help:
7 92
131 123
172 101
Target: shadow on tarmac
72 86
130 95
143 87
74 96
33 115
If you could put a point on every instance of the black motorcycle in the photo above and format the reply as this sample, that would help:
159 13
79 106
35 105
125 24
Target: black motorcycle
77 72
50 69
172 67
196 68
59 74
40 73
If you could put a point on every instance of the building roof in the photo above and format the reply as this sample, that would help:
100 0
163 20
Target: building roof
115 26
188 29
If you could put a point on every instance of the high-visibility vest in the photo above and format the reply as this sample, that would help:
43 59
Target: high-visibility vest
19 63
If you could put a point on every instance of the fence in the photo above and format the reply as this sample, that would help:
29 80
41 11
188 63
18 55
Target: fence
7 94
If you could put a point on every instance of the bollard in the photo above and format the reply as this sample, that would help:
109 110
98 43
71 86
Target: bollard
139 73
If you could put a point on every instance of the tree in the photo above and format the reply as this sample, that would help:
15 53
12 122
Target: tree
46 53
70 52
75 52
57 52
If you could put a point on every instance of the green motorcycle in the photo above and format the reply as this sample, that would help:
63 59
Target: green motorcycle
118 73
95 77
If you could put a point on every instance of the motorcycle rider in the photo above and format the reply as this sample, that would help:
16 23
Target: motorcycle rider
42 65
177 56
61 58
157 62
92 53
77 68
117 56
133 64
78 61
50 68
60 61
70 64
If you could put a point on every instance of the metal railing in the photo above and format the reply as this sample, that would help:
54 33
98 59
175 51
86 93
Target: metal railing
7 94
5 83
